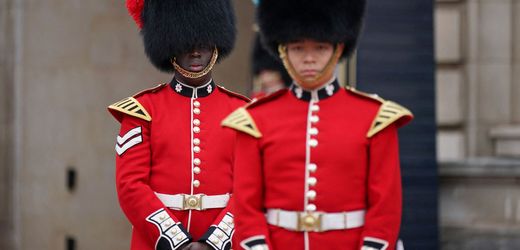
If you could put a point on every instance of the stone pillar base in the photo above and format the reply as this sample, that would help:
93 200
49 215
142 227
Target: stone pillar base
506 140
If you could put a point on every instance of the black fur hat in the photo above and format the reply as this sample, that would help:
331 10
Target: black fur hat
262 60
173 27
335 21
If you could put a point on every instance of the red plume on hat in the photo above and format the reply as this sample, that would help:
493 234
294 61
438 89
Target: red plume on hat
135 9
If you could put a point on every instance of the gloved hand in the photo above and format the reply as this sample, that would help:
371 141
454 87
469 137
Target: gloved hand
197 246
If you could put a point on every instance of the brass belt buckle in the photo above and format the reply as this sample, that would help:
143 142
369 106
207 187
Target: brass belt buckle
192 202
309 221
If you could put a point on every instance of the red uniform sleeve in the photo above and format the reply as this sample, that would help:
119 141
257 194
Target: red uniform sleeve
220 233
383 218
251 225
138 201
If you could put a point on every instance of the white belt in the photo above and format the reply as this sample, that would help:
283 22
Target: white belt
315 221
193 202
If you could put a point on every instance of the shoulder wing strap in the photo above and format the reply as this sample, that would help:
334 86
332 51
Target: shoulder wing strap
242 121
388 113
132 107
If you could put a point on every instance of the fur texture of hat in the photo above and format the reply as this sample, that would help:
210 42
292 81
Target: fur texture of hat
334 21
173 27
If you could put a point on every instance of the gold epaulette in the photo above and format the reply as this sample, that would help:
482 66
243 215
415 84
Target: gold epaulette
242 121
132 107
388 113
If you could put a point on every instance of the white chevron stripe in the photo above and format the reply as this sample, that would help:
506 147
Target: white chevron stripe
121 149
128 135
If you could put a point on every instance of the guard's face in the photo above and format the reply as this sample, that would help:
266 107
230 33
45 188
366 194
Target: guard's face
270 79
309 57
196 60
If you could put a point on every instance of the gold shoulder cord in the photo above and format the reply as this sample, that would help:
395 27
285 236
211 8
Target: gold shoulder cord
195 75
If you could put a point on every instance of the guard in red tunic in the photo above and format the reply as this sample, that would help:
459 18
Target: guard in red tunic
269 75
174 162
317 166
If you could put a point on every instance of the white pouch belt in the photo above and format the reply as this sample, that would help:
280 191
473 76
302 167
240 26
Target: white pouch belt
315 221
193 202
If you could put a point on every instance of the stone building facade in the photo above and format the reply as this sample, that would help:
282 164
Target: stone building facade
478 117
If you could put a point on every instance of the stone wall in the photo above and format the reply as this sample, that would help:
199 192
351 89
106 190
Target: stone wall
477 78
478 84
73 59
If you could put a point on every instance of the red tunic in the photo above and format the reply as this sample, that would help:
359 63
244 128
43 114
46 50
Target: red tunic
331 150
171 142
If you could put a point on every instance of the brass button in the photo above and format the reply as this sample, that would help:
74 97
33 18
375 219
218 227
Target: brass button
196 183
312 167
313 131
196 170
311 194
196 111
313 143
311 207
196 149
196 141
315 108
312 181
315 119
196 104
196 161
196 122
196 130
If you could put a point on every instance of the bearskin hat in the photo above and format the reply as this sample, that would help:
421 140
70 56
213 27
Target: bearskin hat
263 60
174 27
334 21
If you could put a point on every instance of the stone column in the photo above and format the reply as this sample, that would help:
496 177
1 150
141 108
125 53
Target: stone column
450 80
491 91
516 63
499 84
6 125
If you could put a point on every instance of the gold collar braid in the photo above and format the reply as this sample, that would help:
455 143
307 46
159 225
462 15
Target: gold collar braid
195 75
322 76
